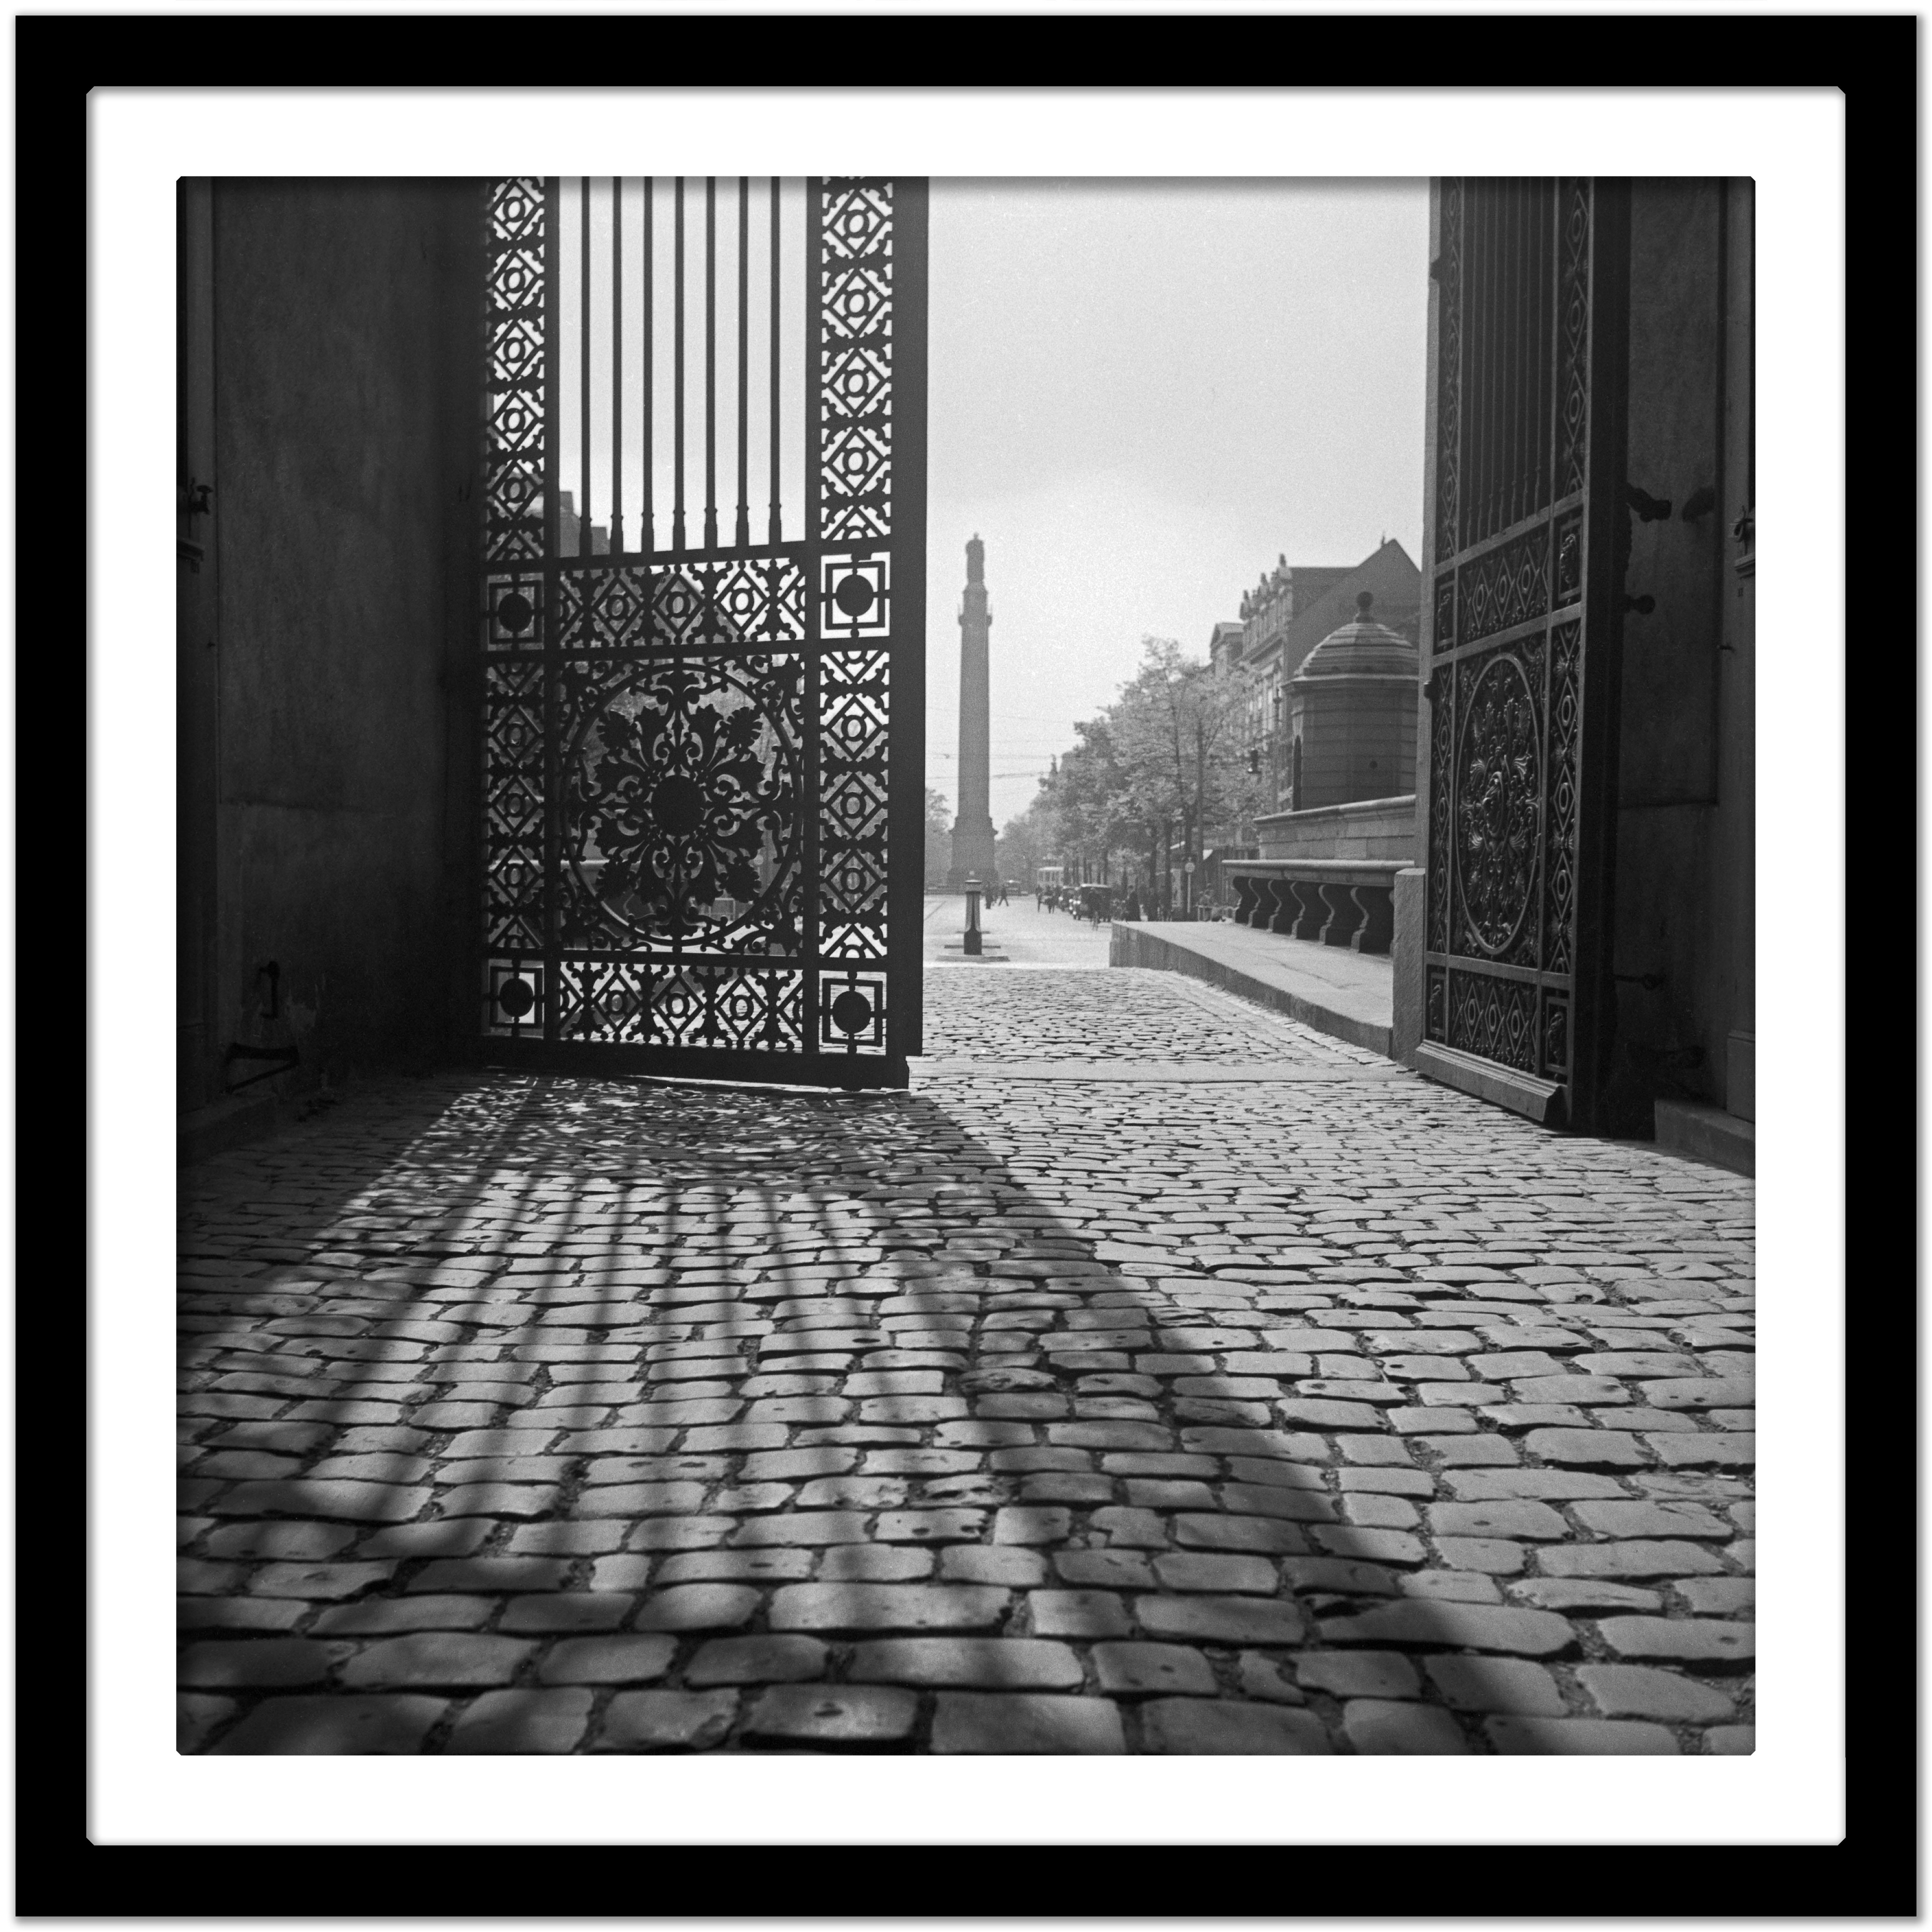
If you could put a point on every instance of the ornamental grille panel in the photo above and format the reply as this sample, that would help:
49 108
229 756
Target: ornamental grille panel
702 625
1525 566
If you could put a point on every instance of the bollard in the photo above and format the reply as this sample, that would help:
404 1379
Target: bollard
973 915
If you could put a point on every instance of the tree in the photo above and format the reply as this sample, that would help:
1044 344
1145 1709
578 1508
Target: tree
1030 839
1177 731
938 839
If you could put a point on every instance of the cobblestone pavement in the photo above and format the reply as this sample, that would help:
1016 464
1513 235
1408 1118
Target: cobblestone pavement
1320 1409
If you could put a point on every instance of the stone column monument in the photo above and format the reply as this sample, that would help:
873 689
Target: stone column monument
973 830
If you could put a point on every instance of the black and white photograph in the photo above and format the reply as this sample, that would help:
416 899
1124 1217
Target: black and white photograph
966 959
1187 1189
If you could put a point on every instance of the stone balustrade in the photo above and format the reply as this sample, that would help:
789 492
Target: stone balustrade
1338 901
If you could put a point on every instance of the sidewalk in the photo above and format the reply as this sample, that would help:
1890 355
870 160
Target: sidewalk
1349 995
1316 1409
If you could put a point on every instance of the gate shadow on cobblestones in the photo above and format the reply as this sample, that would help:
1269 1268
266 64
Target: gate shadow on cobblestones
554 1414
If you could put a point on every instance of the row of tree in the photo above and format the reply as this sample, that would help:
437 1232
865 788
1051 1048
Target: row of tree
1162 775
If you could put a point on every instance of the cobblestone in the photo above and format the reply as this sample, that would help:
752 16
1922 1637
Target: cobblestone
1017 1415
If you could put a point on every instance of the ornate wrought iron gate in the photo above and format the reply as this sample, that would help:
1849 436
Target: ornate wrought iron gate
1527 536
702 749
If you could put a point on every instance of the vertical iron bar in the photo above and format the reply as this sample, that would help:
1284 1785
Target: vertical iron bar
1479 319
1499 364
677 369
650 532
811 272
553 403
744 532
710 361
905 781
1521 350
1553 336
1499 325
583 330
616 364
1513 480
772 400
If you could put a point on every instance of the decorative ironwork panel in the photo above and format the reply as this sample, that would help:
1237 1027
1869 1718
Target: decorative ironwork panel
690 744
1494 1018
681 826
1530 353
1560 811
513 998
621 1000
854 721
852 1012
855 357
1573 309
1441 740
1498 786
513 832
1508 585
516 233
691 606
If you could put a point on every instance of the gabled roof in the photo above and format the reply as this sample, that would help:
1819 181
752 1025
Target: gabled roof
1388 571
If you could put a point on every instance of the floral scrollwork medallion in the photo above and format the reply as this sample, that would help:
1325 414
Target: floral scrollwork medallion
684 777
1499 805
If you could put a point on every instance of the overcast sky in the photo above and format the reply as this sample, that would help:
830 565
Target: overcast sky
1142 393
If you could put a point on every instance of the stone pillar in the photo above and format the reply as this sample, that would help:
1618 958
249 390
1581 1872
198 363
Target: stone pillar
973 830
1411 969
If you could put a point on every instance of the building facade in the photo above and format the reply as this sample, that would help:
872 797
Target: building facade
1289 611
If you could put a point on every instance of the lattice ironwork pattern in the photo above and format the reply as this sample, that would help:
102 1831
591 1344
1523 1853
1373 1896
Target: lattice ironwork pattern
1494 1018
1559 869
513 833
691 606
1441 742
516 232
855 360
854 721
1508 585
688 750
620 1001
1573 308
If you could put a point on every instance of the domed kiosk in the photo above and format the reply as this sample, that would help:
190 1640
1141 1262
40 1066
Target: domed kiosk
1351 716
1327 865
